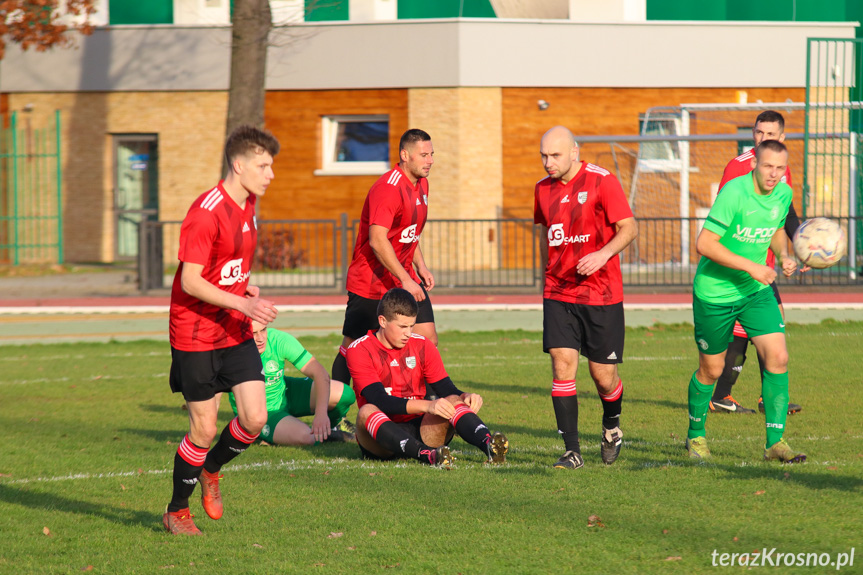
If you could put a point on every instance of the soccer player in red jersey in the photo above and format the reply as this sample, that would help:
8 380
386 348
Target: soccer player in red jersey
387 252
392 368
586 222
769 125
212 308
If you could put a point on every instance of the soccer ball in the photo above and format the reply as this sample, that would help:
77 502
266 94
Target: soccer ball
819 243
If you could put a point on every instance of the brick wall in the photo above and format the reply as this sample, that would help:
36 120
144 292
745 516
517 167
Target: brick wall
191 130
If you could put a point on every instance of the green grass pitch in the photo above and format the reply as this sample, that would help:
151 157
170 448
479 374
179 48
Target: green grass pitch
90 431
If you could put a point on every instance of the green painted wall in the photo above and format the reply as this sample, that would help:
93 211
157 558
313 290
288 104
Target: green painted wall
748 10
140 12
327 10
409 9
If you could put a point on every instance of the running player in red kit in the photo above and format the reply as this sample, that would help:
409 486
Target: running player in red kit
391 368
212 308
387 252
769 125
586 222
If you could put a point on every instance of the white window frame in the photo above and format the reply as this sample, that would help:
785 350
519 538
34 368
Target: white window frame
329 135
671 163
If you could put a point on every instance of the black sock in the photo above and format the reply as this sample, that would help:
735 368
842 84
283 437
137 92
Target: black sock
340 368
393 438
760 368
735 357
470 427
612 404
188 462
566 412
233 441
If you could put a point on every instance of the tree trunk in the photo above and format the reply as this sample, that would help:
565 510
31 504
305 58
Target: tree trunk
251 24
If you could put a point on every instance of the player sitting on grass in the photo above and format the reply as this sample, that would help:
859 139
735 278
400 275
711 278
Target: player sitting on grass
391 367
289 398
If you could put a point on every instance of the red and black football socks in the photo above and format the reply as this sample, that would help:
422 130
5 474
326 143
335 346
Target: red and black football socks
338 413
470 427
233 441
340 370
611 406
564 398
735 357
188 462
774 390
393 438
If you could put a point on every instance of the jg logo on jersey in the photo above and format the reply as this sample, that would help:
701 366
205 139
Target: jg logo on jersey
409 235
232 272
556 237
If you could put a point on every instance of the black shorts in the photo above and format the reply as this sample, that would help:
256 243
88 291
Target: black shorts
361 314
200 375
597 331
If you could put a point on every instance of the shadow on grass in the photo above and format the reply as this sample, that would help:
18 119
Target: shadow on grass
170 409
175 436
479 386
812 477
43 501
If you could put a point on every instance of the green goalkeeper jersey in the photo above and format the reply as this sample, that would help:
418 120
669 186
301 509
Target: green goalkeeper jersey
281 347
745 222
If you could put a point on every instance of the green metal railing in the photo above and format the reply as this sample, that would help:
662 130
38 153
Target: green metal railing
832 167
31 223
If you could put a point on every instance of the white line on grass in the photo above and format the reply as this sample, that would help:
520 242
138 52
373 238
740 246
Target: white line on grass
82 379
465 458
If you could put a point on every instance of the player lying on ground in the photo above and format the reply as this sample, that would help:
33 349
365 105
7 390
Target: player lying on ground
391 367
289 398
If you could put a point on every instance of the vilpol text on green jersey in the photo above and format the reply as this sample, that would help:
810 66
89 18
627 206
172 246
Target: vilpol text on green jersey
745 222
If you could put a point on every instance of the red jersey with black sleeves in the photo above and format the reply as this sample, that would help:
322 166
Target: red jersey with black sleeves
580 217
742 165
221 236
401 207
403 372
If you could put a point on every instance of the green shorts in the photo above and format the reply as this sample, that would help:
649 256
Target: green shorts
298 391
714 323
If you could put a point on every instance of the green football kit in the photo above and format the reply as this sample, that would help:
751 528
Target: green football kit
290 396
745 222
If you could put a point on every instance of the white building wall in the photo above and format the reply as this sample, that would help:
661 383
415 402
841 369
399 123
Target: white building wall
441 53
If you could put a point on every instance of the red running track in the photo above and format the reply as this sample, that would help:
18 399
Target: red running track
644 299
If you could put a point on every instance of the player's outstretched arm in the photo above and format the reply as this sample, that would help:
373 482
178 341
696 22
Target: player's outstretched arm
194 284
321 382
625 231
385 253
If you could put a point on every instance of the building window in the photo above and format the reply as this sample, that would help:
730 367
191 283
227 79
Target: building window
140 12
661 156
327 10
747 144
355 145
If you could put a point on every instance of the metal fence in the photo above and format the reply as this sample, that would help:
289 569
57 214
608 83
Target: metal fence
488 254
31 226
305 254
